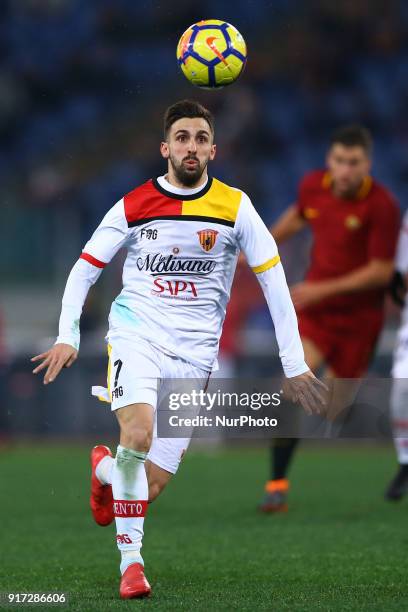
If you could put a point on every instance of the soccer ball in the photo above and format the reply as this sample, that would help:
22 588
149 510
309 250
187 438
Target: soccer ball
211 53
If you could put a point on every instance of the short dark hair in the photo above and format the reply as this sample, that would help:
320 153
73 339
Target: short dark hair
353 135
186 108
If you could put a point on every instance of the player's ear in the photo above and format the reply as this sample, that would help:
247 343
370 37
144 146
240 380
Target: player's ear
164 150
213 151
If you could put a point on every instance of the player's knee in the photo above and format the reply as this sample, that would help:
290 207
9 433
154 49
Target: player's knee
136 437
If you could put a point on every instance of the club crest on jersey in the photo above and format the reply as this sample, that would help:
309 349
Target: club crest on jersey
352 222
207 238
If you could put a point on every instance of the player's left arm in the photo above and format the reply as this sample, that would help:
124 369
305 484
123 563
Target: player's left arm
261 252
377 273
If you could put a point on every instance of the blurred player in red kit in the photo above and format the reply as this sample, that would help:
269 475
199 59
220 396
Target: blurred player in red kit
354 222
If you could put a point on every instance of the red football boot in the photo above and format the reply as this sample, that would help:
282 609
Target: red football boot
134 583
101 500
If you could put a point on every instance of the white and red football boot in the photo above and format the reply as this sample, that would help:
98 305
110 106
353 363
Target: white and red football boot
134 583
101 500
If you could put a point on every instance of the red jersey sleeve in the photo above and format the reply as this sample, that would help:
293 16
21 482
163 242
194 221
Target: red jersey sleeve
384 227
309 184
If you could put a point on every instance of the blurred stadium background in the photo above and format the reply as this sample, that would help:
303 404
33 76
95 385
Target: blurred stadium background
83 87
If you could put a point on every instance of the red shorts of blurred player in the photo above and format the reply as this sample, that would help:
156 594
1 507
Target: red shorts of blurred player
346 340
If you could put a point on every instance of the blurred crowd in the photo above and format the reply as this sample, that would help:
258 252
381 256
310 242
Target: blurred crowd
83 86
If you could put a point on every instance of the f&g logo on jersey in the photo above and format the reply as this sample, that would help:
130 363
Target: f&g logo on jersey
150 234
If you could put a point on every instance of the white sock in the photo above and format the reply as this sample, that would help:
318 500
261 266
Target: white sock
130 494
103 470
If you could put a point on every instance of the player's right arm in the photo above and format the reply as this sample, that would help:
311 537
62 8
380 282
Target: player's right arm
262 255
106 241
288 224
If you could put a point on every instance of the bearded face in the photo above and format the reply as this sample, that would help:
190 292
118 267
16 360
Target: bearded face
189 170
188 148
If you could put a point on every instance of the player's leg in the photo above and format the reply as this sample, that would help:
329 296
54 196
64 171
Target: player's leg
353 348
282 449
133 373
398 486
130 493
342 393
157 478
165 454
129 480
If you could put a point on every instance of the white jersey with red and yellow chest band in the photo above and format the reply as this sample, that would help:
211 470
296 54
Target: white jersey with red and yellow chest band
182 249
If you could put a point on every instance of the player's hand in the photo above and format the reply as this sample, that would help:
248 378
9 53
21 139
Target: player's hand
306 294
58 357
398 288
308 390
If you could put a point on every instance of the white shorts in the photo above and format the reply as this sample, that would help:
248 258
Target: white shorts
138 373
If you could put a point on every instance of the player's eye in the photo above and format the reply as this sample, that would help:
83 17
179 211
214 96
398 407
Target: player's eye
202 139
182 137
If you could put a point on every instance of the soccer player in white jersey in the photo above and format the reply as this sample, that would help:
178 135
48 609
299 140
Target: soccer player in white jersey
183 233
398 486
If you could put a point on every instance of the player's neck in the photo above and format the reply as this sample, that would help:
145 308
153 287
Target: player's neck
172 180
351 194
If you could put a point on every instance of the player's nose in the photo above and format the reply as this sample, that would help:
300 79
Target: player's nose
192 146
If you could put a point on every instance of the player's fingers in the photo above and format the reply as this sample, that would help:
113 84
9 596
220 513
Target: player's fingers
317 394
42 365
38 357
317 401
299 394
70 361
310 401
47 373
289 391
304 403
319 383
53 370
316 387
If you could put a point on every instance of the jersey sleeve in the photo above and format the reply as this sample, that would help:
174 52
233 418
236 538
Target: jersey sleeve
384 226
254 238
401 259
262 255
105 242
276 291
110 236
82 276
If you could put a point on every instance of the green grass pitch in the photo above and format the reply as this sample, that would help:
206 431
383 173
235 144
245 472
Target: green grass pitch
340 547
